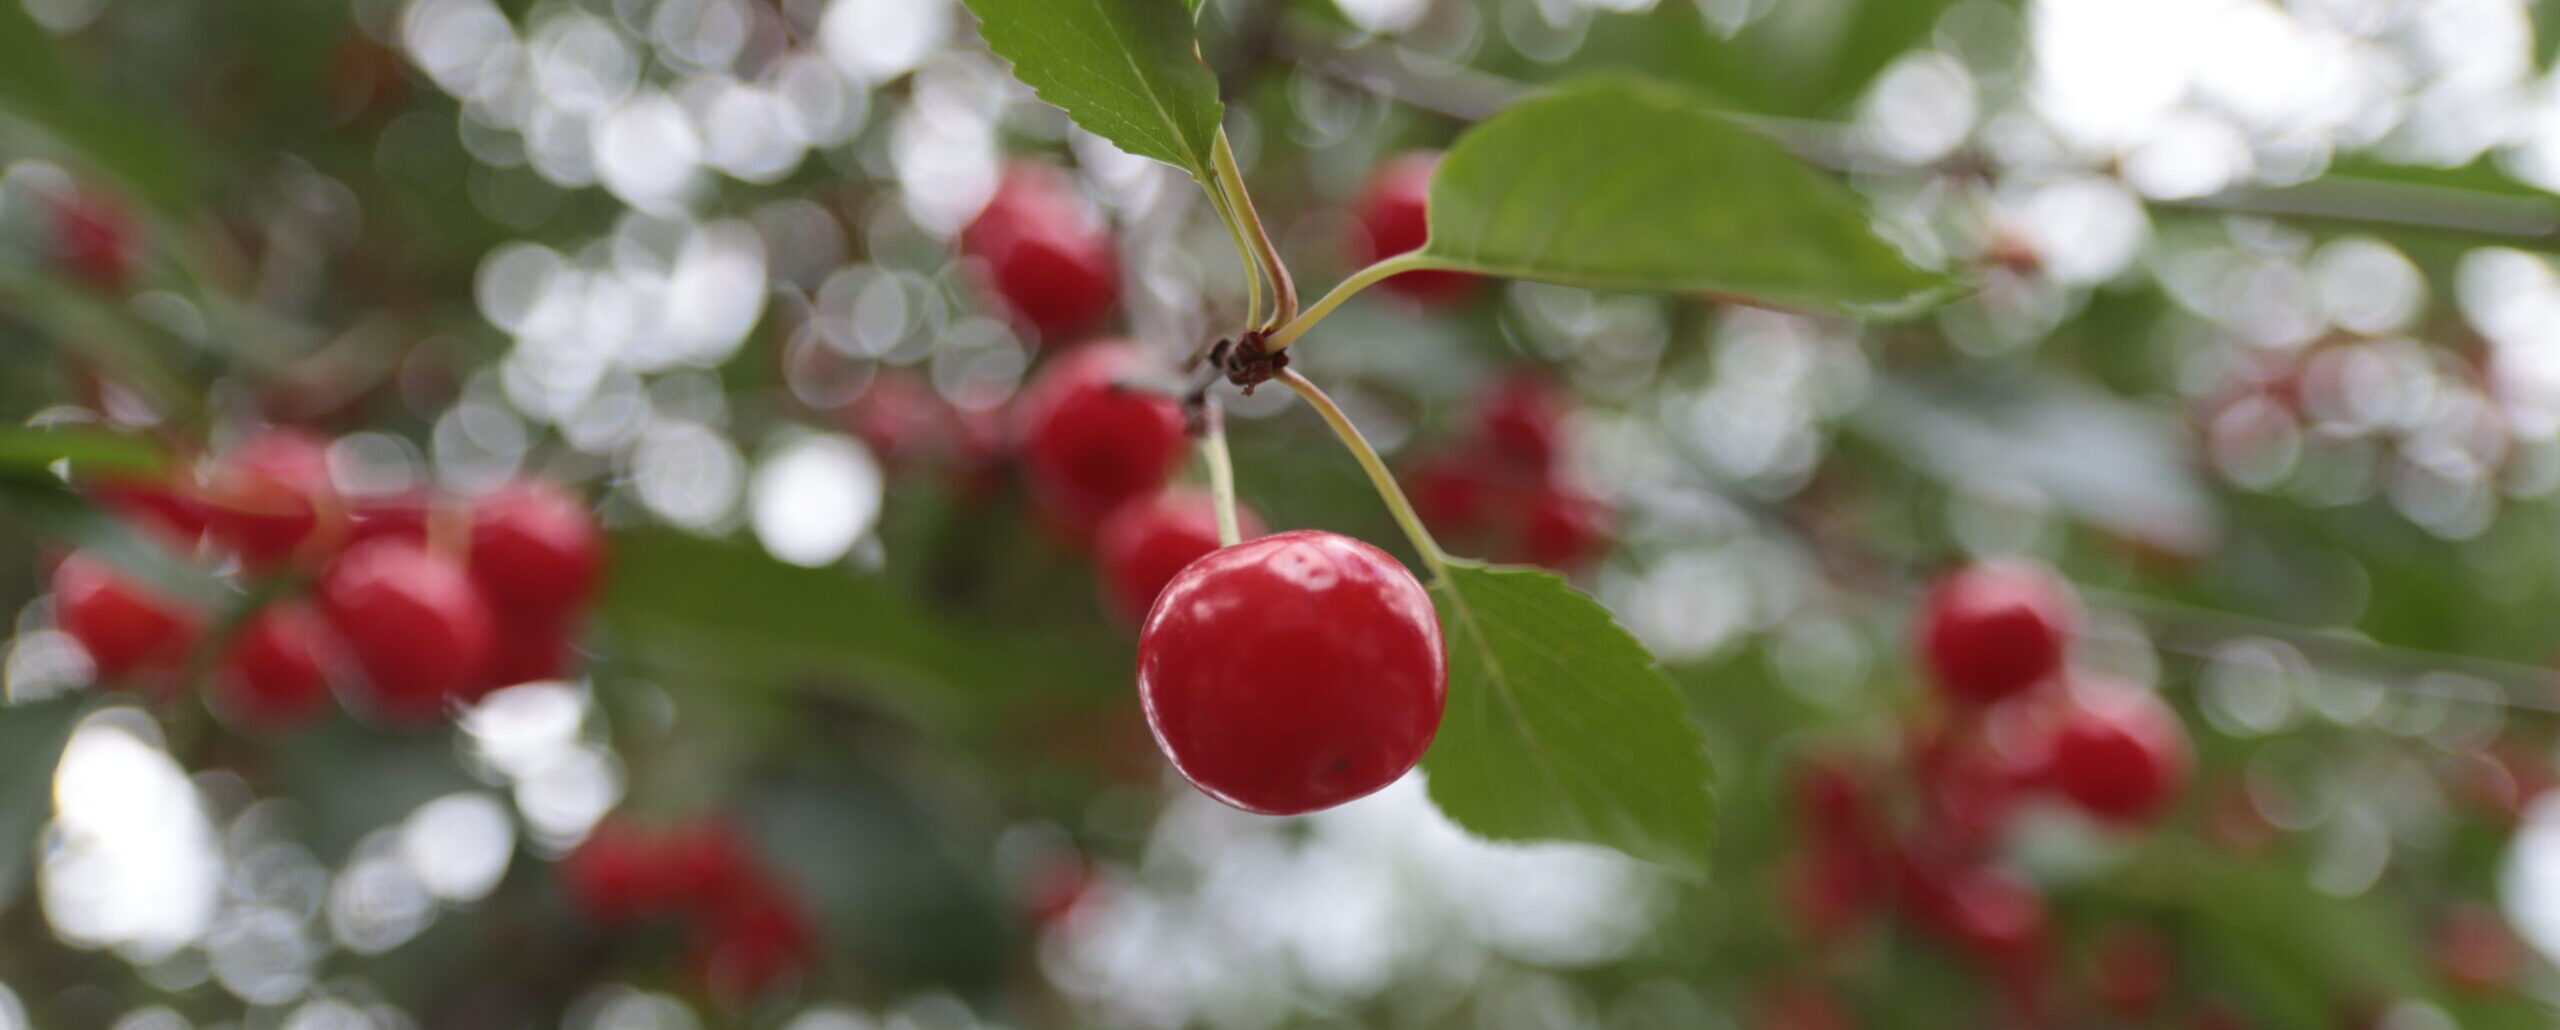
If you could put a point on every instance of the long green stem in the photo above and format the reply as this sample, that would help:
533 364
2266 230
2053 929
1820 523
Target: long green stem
1284 290
1360 280
1225 207
1222 474
1376 467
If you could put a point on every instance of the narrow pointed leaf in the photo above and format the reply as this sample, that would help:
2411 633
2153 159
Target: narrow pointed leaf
1622 184
1560 727
1127 70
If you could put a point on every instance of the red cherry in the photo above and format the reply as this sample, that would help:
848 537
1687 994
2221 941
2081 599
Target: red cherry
1521 417
757 939
95 241
526 650
1830 889
271 495
276 674
1992 630
1294 672
1565 529
704 860
2474 949
617 875
155 505
1046 257
1989 912
1832 798
1450 495
127 626
1393 214
2120 754
2134 967
1089 442
401 516
1144 542
413 622
535 549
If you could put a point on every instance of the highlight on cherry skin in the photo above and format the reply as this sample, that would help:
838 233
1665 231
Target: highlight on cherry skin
1293 672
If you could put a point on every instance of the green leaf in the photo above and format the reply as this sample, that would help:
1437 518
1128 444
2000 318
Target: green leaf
1560 726
50 511
31 452
1128 70
31 740
1621 184
115 137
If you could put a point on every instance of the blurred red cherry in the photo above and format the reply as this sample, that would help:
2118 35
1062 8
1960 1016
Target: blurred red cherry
527 649
2133 966
414 623
270 496
1831 888
1393 215
1993 630
1046 257
705 859
1088 440
2475 950
535 550
95 240
1144 542
127 626
759 938
617 875
1565 528
276 673
1520 417
2121 754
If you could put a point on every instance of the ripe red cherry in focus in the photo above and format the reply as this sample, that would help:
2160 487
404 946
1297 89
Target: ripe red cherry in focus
2120 754
276 673
1144 542
126 626
1088 440
1992 630
1294 672
1046 257
1392 212
413 622
535 549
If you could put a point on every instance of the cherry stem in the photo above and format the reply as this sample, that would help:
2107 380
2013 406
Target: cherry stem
1231 176
1222 472
1376 467
1224 205
1289 332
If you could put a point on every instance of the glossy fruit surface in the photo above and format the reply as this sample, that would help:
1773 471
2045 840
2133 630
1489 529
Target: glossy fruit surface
1293 672
535 549
1046 257
1146 541
1993 630
2121 753
125 625
1089 440
1392 211
276 673
412 621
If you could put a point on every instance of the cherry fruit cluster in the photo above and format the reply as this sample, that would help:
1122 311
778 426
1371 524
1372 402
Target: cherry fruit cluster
1501 488
2017 722
405 606
746 930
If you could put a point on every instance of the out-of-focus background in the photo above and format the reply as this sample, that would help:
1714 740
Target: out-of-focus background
2262 353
